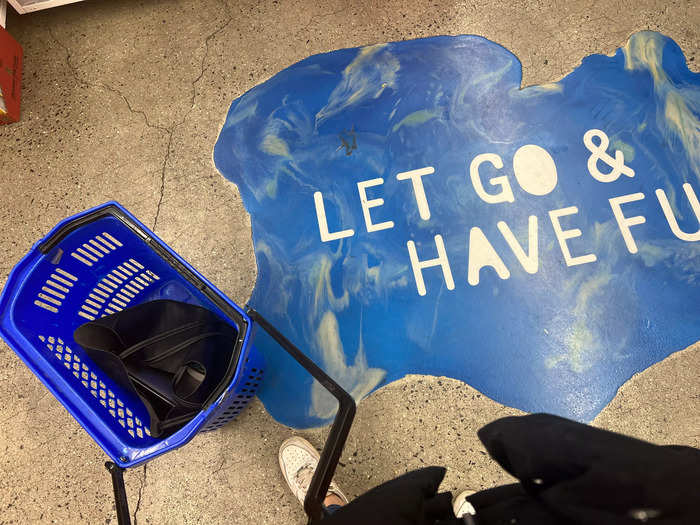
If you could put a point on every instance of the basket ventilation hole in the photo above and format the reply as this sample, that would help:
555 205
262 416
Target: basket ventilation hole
55 290
117 289
95 249
97 388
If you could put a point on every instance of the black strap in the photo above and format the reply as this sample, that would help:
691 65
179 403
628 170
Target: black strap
177 421
179 347
159 337
149 348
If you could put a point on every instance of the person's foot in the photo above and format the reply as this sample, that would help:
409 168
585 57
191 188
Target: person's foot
298 460
461 506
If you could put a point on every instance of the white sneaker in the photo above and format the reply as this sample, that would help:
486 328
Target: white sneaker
461 506
298 461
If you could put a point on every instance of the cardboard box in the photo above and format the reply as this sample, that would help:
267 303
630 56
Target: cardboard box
29 6
10 77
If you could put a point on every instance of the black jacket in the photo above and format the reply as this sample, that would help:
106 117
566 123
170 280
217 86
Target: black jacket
569 473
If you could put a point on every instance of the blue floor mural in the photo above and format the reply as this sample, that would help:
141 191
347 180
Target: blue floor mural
415 211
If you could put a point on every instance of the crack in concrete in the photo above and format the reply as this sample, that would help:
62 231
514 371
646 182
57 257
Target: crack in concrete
26 410
224 467
203 64
140 496
322 16
162 179
169 130
100 85
220 467
111 89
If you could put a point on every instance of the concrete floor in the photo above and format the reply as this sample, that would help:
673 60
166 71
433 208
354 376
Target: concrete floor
123 100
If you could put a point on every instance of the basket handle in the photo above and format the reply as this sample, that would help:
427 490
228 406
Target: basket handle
333 448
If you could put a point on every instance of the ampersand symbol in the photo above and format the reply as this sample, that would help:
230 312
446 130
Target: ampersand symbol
598 152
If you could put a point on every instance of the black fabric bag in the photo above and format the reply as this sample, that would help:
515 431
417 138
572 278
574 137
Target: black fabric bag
172 355
570 474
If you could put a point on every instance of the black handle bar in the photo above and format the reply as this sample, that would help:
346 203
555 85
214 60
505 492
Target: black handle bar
313 504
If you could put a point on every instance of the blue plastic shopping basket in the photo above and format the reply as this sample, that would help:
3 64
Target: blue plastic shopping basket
102 262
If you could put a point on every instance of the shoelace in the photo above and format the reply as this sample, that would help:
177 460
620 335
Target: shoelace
303 480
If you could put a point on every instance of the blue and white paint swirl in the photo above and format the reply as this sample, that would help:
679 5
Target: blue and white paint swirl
535 328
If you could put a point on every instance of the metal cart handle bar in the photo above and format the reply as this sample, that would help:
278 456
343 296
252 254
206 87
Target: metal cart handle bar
313 504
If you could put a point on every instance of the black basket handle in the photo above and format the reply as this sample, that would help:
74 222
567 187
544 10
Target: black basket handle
333 448
313 504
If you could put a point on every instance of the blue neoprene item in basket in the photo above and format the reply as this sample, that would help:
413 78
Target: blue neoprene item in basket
100 263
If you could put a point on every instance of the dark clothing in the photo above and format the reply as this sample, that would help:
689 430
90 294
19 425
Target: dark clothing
584 475
409 499
569 473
